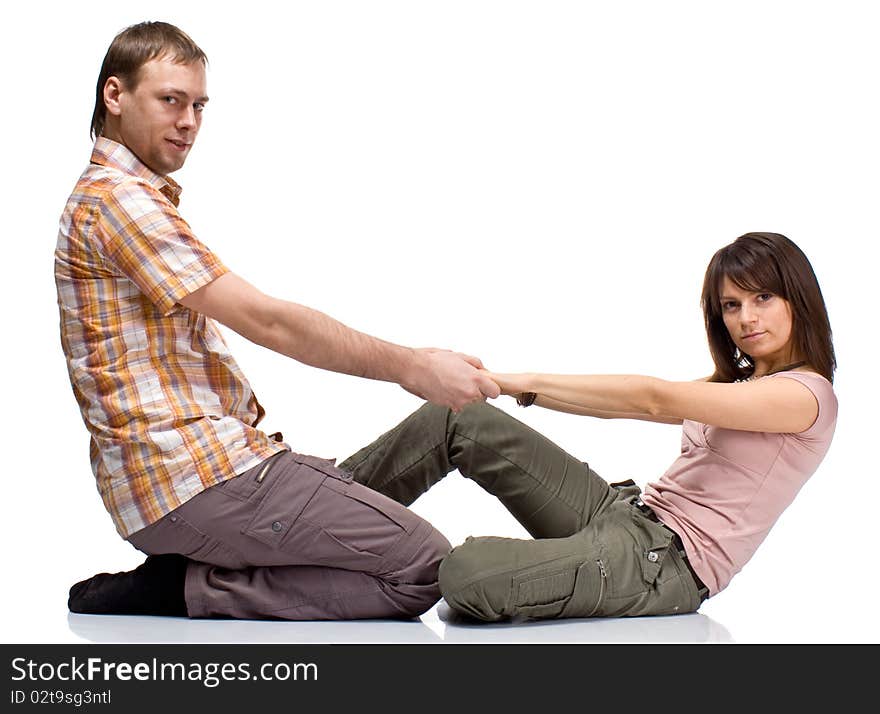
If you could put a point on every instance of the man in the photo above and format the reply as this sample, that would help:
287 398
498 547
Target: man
234 523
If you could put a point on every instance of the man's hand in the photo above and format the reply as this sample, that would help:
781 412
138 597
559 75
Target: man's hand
450 379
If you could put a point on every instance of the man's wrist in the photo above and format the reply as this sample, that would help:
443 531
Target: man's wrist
413 367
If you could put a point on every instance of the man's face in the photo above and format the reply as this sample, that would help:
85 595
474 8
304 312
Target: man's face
160 117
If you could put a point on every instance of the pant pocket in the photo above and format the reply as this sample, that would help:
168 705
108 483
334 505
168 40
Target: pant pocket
647 574
382 506
249 484
292 484
543 596
350 518
170 534
574 588
175 534
590 590
651 546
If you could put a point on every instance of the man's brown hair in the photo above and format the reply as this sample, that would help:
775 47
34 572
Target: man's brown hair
131 49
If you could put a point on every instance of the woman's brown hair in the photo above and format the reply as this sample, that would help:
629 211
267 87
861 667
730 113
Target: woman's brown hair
767 262
131 49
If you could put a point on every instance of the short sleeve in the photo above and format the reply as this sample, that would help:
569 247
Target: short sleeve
825 398
144 237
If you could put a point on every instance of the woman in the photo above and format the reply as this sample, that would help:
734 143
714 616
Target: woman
753 433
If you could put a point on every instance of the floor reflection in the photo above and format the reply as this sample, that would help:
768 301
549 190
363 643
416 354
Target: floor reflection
439 625
694 627
123 628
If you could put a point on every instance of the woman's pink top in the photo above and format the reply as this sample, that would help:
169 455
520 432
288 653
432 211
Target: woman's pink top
728 487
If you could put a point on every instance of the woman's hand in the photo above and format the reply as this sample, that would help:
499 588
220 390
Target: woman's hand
512 385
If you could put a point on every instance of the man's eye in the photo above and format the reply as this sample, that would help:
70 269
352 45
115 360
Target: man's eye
169 100
199 107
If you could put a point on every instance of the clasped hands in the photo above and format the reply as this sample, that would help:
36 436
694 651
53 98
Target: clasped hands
455 379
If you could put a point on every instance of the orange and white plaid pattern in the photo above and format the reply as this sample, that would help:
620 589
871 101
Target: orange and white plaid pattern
169 411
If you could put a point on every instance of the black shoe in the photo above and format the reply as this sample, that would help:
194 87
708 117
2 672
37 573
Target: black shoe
156 587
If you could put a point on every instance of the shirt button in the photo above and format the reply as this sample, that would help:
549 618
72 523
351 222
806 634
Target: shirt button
276 526
653 557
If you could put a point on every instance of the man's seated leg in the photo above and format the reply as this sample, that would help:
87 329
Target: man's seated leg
303 541
300 540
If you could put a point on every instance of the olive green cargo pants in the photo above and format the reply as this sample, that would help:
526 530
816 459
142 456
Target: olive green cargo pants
594 553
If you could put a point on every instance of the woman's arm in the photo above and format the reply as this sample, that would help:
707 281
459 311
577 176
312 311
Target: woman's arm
560 406
771 405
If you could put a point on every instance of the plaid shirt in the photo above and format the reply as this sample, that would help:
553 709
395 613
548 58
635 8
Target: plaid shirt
169 411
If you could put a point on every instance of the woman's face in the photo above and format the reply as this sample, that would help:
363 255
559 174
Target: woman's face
759 324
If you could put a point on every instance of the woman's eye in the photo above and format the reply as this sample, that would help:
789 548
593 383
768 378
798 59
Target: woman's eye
764 297
728 305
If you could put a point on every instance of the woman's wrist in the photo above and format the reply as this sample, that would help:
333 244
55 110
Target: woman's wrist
518 386
526 392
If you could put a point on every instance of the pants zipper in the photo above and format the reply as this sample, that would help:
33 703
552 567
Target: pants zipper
603 578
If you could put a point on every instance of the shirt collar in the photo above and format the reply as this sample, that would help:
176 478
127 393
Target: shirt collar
118 156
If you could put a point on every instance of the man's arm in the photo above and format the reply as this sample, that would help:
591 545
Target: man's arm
311 337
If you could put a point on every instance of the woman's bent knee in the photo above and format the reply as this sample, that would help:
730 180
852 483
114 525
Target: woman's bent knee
468 583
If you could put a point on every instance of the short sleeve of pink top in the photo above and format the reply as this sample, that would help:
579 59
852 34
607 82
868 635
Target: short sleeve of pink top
728 487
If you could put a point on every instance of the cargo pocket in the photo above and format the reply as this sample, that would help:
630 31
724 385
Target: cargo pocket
378 502
573 587
543 596
354 519
293 484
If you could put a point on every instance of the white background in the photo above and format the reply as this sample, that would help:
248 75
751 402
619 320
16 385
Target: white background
538 183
